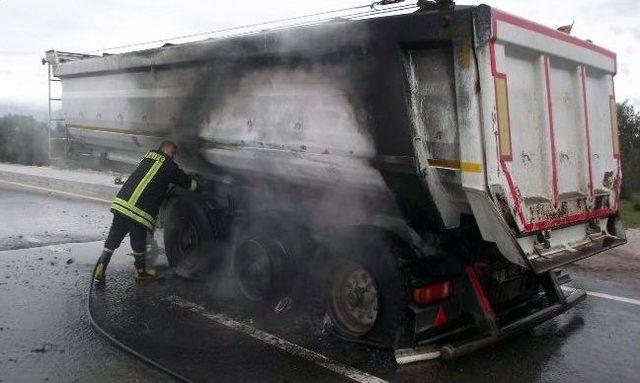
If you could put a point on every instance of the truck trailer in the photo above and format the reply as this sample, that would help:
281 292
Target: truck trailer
421 176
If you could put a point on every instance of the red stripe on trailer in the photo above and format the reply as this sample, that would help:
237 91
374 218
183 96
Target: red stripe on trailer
552 136
492 43
586 126
569 219
477 288
553 33
514 195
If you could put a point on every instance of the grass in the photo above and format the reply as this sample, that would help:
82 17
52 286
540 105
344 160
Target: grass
630 216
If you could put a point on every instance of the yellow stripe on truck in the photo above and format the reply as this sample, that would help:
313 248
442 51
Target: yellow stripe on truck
470 167
502 110
128 132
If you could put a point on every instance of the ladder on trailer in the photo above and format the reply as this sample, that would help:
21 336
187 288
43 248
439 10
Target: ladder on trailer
55 123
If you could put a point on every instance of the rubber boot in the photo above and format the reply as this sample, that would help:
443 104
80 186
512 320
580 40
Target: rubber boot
140 271
101 268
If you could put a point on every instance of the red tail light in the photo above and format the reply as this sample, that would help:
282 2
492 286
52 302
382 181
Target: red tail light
433 293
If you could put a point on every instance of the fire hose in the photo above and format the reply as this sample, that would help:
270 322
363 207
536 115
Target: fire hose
119 344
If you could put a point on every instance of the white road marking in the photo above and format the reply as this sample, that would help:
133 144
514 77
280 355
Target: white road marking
55 248
282 344
54 191
607 296
614 297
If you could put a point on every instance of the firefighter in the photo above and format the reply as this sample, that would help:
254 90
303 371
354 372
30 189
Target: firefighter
136 206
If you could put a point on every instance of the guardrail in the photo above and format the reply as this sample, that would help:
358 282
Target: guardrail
70 183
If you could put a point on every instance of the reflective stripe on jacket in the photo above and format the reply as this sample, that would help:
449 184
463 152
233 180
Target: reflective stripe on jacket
142 194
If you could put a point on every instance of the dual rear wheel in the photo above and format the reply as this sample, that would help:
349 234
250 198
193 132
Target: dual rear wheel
358 283
358 279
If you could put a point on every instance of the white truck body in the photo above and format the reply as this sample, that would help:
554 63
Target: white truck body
513 122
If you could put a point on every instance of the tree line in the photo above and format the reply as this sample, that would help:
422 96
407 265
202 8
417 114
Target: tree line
23 140
629 130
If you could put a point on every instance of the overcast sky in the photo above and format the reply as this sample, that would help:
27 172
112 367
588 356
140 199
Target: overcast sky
29 28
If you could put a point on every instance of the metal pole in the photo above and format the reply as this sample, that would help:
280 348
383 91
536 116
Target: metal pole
49 102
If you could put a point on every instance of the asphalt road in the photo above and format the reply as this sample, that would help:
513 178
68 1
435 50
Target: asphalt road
203 332
31 220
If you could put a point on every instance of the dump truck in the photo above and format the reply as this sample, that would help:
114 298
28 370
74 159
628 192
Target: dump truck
421 177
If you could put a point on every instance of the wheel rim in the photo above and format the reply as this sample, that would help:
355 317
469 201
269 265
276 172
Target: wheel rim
353 300
254 270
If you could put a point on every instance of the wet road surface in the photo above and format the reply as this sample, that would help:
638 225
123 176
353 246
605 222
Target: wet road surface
30 220
595 342
45 333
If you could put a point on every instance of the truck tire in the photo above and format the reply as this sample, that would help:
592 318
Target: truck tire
262 261
366 291
188 236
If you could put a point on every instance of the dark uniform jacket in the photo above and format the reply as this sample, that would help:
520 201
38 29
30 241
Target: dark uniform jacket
140 197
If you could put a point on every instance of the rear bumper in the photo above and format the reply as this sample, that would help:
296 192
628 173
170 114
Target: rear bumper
551 260
450 351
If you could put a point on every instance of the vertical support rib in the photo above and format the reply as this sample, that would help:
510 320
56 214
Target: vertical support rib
552 137
586 126
49 103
